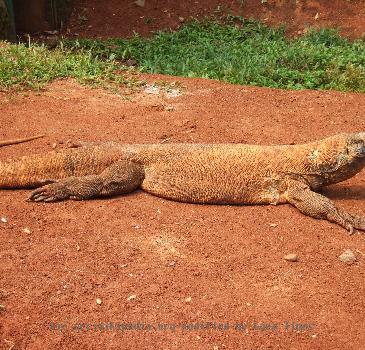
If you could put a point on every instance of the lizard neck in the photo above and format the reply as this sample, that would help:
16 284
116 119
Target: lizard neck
343 172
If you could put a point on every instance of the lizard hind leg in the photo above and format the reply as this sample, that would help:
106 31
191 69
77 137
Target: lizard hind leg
119 178
320 207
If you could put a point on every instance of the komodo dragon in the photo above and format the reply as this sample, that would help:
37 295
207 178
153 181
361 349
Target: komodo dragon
198 173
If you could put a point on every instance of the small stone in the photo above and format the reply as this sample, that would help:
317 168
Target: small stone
273 225
78 248
98 301
291 257
140 3
316 16
188 299
347 257
132 297
169 108
27 230
2 307
181 19
54 145
124 265
4 220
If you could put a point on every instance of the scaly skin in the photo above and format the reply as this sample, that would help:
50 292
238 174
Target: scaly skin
198 173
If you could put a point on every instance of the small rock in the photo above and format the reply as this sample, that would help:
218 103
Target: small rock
188 299
273 225
140 3
291 257
132 297
78 248
54 145
169 108
27 230
98 301
316 16
124 265
181 19
2 307
4 220
347 257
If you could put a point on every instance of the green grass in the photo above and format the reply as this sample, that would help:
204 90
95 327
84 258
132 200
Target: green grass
244 52
31 68
237 51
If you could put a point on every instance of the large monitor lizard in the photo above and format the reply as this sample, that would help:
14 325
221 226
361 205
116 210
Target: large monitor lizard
198 173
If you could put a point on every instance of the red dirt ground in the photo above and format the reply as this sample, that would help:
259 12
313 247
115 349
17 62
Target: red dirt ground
115 18
227 259
187 265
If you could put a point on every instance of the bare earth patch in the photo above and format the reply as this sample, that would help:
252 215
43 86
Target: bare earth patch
212 277
115 18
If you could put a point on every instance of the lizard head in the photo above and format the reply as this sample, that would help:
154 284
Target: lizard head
338 157
356 145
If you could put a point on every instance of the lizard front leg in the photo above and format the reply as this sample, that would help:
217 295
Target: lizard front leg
121 177
320 207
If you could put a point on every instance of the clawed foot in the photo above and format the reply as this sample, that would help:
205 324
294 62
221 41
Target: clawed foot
50 193
350 222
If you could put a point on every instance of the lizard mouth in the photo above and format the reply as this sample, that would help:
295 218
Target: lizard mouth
361 150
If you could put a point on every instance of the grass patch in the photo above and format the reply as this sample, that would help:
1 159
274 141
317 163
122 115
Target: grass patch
32 68
243 52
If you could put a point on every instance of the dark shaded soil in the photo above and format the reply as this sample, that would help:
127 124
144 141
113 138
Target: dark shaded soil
115 18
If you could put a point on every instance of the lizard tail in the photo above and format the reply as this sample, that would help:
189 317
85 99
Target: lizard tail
39 169
15 141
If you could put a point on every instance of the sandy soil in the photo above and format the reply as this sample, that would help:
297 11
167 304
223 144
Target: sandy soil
171 267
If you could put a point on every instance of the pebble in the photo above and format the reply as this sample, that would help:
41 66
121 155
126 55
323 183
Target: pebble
4 220
291 257
98 301
347 257
132 297
188 299
27 230
2 307
140 3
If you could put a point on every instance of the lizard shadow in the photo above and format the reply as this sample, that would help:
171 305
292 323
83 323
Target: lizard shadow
344 192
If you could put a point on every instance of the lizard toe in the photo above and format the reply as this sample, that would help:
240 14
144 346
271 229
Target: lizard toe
49 193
